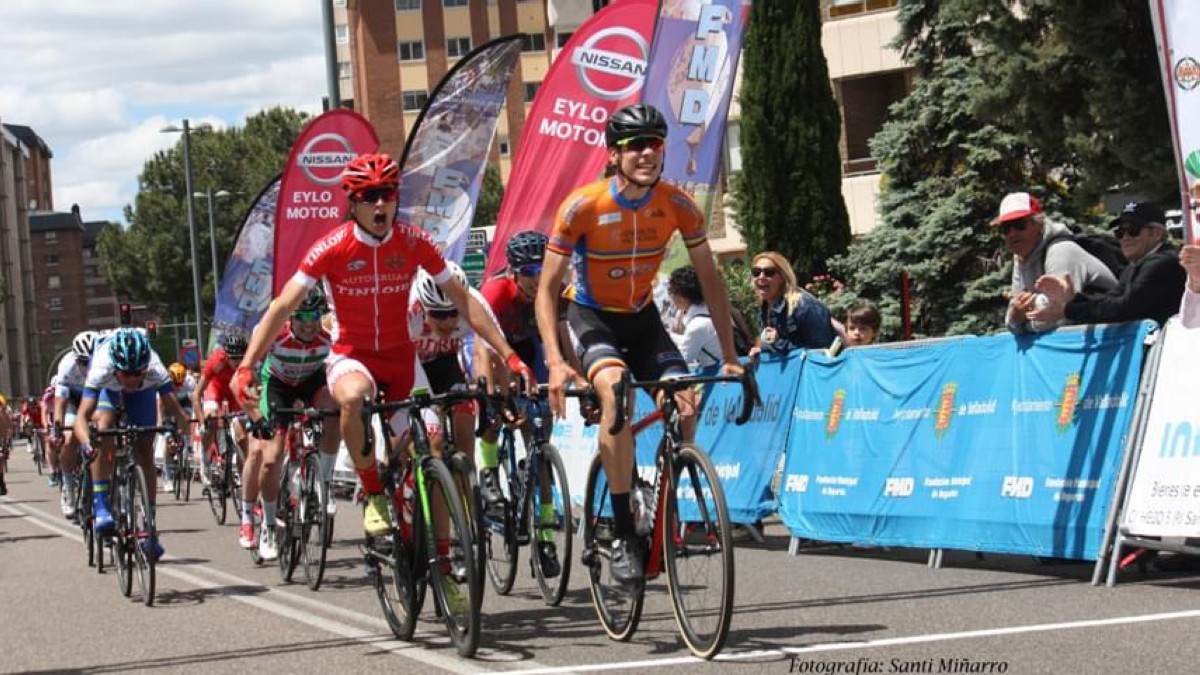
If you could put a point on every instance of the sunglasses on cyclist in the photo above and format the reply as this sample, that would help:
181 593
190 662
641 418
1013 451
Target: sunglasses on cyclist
306 315
529 270
376 194
1127 230
442 314
641 143
770 272
1017 225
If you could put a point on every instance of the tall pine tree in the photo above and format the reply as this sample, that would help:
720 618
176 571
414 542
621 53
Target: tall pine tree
789 194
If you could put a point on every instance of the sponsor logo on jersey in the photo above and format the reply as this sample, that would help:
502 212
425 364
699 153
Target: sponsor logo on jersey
608 219
356 265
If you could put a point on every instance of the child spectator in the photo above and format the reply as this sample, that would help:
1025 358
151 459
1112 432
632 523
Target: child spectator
862 325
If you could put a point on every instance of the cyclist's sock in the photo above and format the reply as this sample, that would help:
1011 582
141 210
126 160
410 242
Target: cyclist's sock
248 511
443 547
371 484
546 521
100 495
489 454
327 462
68 482
622 518
269 508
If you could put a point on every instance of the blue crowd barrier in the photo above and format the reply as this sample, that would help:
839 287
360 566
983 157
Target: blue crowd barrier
1001 443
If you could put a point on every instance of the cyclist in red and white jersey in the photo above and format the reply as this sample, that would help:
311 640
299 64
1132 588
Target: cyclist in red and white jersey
367 267
213 391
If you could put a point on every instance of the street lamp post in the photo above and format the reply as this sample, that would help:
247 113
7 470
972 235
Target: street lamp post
212 233
191 220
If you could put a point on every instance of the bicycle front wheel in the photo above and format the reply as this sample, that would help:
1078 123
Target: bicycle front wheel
499 532
142 524
697 540
391 564
315 497
467 483
619 607
122 539
289 544
550 527
453 572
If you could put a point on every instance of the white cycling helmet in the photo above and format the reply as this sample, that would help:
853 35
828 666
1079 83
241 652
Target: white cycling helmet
431 295
84 344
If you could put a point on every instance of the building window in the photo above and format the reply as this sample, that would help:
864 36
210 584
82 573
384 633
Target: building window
345 70
840 8
51 237
54 303
533 42
865 102
408 5
560 39
53 281
339 3
51 259
414 100
411 51
341 33
531 89
57 325
454 3
458 47
504 146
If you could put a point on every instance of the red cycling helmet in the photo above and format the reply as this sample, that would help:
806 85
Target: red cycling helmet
370 171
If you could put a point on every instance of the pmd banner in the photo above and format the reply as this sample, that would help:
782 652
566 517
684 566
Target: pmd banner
1001 444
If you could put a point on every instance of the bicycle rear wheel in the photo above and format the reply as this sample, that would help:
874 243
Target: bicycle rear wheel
289 554
466 482
123 537
188 471
453 574
142 524
83 512
315 495
697 540
618 607
553 587
499 532
39 453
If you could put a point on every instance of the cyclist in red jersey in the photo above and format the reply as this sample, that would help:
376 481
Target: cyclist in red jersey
213 390
367 266
615 233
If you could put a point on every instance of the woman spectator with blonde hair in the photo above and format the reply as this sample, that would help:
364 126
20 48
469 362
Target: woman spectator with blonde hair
790 316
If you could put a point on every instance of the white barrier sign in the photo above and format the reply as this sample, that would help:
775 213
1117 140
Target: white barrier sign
1165 498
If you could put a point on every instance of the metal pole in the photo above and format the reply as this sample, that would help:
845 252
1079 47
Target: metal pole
331 66
212 239
191 219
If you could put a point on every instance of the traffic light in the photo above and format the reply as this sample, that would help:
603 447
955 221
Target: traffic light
152 328
126 314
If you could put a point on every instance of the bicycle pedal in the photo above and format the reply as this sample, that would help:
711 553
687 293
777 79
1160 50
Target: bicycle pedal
589 557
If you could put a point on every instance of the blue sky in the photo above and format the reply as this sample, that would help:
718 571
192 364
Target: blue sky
98 80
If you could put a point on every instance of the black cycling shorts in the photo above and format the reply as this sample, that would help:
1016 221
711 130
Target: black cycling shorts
279 394
443 372
637 341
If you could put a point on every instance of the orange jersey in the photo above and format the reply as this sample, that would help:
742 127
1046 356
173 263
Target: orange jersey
616 245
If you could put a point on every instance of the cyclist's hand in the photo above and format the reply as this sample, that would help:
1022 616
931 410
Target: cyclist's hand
561 375
732 369
517 367
245 385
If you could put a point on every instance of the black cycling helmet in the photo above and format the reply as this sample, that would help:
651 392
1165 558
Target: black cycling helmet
314 301
235 345
635 120
526 248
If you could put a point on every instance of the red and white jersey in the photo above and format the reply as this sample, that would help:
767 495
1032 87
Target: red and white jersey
292 361
367 282
432 343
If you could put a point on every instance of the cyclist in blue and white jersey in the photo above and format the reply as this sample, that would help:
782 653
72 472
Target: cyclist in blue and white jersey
125 373
68 390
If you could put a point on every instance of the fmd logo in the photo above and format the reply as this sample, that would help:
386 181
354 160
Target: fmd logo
1017 487
612 63
323 158
900 486
796 482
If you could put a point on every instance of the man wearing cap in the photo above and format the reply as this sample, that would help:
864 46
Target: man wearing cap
1149 288
1189 310
1041 247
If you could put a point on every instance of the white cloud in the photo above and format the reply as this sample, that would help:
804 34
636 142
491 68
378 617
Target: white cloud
97 80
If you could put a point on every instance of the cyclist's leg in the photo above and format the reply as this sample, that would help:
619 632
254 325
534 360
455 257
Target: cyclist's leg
104 417
211 410
331 434
350 383
68 461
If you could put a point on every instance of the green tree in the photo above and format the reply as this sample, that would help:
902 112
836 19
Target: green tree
150 261
490 196
788 196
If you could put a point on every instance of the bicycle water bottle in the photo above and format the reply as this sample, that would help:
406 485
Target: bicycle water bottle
641 503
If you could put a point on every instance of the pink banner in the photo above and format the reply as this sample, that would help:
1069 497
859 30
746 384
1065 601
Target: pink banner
600 69
311 201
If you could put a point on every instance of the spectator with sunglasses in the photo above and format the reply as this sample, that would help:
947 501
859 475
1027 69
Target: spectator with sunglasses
791 317
1042 247
1150 287
1189 310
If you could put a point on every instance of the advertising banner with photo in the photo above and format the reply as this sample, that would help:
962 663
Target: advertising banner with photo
246 285
1164 498
1177 32
444 160
311 201
693 62
999 443
600 69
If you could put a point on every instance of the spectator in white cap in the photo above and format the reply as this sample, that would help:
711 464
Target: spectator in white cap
1040 247
1149 288
1189 310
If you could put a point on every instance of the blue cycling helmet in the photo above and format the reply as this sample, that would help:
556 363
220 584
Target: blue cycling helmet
130 350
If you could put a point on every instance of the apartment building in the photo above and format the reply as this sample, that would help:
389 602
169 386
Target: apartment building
100 299
20 360
392 53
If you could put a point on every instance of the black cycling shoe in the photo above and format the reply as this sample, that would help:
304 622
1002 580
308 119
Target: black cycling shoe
626 562
548 559
490 487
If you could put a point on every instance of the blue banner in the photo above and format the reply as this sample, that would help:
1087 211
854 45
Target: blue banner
444 159
246 285
1000 443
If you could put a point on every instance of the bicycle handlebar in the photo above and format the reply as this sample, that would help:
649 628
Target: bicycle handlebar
424 399
623 388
